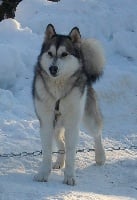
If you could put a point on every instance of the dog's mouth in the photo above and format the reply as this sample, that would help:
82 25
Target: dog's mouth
53 71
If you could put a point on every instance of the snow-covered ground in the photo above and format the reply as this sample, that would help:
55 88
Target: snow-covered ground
114 23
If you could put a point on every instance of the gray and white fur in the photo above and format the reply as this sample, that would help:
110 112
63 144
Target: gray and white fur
64 98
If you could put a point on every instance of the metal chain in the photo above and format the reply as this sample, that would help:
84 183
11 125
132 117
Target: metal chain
38 153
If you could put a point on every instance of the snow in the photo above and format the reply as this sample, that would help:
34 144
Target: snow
114 24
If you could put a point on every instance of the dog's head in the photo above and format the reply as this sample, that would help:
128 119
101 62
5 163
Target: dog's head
60 54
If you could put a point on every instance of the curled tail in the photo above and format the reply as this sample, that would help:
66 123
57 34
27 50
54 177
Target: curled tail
93 58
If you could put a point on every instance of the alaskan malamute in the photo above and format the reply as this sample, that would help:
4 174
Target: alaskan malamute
63 98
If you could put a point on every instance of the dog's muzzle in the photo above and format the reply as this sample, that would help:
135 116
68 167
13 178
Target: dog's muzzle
53 70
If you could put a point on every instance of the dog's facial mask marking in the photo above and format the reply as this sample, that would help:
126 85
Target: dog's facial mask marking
54 56
62 52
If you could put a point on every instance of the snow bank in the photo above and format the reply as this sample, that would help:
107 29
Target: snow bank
112 23
6 100
9 71
17 45
9 56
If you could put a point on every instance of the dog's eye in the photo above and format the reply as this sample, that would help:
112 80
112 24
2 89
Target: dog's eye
50 54
64 54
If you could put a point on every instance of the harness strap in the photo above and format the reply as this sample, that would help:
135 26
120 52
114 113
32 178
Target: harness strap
57 105
57 113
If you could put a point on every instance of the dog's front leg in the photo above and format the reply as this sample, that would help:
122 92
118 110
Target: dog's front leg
73 110
46 133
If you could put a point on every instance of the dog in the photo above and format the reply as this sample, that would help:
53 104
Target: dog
64 98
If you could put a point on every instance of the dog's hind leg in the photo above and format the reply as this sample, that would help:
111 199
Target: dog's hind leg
59 137
99 150
92 121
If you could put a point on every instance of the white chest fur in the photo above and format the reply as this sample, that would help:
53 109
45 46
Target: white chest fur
58 87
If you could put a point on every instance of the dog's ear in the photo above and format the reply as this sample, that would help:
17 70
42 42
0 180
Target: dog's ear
50 32
75 35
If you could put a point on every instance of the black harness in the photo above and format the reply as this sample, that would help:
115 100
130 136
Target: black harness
57 113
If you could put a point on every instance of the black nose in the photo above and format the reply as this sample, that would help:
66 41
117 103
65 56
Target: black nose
53 70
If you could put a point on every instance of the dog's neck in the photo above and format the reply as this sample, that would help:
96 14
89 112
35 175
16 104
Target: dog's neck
58 87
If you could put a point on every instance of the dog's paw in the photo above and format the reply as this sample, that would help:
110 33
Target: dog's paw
100 159
58 164
41 176
69 180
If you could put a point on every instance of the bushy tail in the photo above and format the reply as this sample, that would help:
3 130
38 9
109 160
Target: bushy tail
93 58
